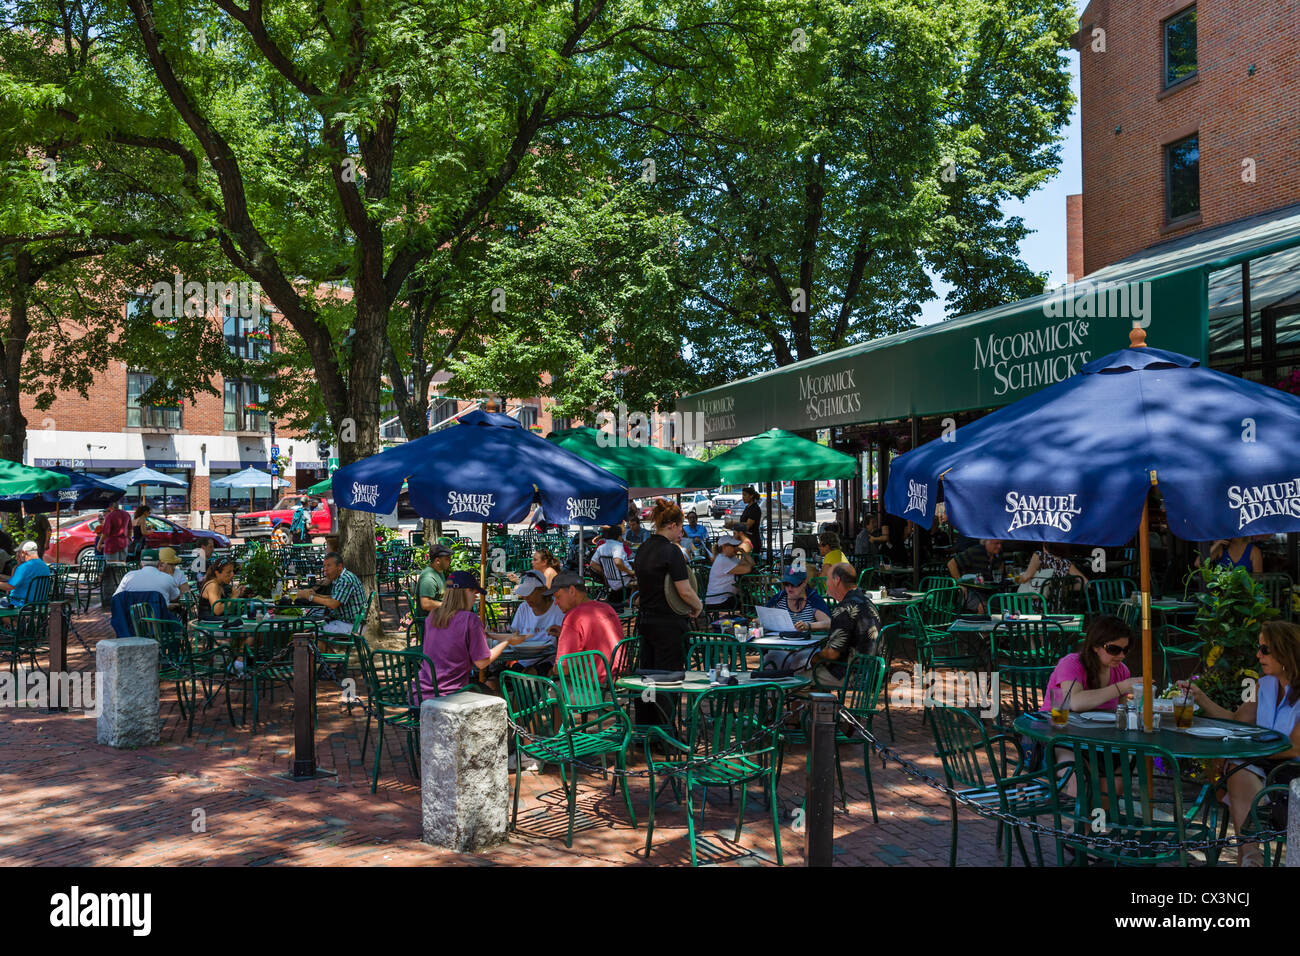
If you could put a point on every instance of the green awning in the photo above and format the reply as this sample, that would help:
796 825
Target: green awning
16 479
321 487
992 358
777 455
646 469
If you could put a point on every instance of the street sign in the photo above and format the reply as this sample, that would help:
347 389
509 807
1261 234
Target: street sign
275 451
332 465
275 470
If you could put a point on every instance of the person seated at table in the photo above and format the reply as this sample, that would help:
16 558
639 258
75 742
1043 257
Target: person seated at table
862 546
589 625
1228 553
635 535
217 588
1096 676
454 639
169 557
854 628
161 578
346 600
1275 707
807 608
618 575
432 585
18 586
533 619
544 563
696 535
732 560
202 555
828 546
1051 558
983 559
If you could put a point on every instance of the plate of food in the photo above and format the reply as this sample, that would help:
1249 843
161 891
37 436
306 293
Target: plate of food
1096 716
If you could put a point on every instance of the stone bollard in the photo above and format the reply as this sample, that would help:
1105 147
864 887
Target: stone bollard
1293 825
128 680
464 783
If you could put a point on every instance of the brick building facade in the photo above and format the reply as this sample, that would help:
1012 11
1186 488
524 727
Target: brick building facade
1190 119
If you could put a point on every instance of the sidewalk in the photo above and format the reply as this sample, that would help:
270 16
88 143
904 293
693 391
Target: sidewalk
215 798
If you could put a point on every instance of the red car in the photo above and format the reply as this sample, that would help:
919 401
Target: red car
258 523
78 537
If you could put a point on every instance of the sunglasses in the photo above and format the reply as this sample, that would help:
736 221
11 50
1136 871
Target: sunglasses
1263 649
1116 650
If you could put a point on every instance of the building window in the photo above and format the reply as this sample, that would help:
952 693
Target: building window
247 338
442 409
245 407
147 416
527 415
1182 178
1180 47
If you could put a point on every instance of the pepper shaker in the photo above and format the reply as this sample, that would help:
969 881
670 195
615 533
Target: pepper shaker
1121 716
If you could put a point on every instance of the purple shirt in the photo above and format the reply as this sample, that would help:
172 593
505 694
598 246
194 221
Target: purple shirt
1070 668
453 650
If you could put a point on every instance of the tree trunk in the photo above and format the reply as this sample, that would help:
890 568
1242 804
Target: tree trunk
13 425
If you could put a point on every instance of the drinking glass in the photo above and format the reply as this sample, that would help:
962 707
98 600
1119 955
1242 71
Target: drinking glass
1060 714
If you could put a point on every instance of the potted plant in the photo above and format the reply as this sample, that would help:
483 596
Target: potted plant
1232 607
260 572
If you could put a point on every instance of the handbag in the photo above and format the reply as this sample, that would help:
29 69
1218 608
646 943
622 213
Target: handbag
680 607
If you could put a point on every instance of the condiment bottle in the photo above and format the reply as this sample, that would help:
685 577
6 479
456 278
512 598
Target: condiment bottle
1121 716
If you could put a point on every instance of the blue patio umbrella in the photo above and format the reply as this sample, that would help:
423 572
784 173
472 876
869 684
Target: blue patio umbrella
1075 462
146 476
249 478
486 468
83 491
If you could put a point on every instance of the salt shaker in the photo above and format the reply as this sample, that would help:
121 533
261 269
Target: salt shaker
1121 716
1134 718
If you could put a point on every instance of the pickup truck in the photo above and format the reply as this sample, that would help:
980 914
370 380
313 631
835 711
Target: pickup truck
258 523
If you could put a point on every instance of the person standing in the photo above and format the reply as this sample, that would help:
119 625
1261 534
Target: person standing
42 537
432 586
202 555
114 535
298 526
139 527
660 566
750 518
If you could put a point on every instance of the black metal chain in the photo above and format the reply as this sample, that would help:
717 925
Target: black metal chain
1033 826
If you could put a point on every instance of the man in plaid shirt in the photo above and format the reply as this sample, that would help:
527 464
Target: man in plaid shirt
347 598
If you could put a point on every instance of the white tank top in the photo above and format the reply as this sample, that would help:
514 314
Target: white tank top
1272 714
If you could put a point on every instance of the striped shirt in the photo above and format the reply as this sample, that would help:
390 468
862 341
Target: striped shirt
347 590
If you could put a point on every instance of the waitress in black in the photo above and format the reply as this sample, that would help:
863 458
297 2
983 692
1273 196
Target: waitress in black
663 630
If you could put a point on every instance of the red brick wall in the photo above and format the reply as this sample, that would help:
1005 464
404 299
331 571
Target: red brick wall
1237 116
1074 235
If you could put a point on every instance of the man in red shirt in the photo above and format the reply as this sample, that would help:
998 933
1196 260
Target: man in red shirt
588 625
115 533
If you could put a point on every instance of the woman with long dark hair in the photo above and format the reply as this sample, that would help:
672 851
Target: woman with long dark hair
1275 707
1095 677
139 527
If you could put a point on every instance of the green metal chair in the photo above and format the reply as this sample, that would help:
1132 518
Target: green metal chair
268 659
1278 588
908 627
59 574
86 579
25 635
1106 594
1112 783
733 739
175 658
1028 685
867 579
337 652
245 607
394 694
940 607
936 581
970 767
1183 656
1017 603
549 733
1064 594
706 654
584 678
1030 643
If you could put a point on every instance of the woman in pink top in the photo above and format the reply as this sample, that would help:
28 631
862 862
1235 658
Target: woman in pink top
454 639
1096 677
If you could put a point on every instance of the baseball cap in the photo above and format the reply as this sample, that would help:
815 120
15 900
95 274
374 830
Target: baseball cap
168 556
464 579
794 577
565 579
728 539
529 583
276 522
438 551
29 547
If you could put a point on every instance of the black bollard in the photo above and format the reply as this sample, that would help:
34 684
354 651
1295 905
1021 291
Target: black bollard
304 703
58 656
819 831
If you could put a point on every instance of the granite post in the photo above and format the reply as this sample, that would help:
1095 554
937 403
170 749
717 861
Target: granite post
464 785
128 680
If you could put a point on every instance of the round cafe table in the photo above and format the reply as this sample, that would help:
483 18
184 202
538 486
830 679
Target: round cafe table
1178 742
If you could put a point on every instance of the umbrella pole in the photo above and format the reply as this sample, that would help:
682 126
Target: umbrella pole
1144 565
482 574
769 524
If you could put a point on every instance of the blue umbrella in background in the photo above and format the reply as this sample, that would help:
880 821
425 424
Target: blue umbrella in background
486 468
83 491
146 476
1076 461
250 478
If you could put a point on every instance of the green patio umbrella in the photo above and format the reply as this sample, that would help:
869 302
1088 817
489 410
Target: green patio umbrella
778 455
321 487
647 470
16 479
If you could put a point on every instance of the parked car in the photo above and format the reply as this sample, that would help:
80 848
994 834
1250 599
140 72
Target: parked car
257 524
78 538
698 501
825 497
727 506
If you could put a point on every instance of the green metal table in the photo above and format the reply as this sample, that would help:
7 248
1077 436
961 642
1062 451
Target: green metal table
1178 742
697 682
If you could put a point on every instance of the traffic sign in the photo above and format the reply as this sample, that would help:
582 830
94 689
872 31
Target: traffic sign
275 451
275 470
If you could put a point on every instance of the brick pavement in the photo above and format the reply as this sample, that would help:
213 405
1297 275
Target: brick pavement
215 798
